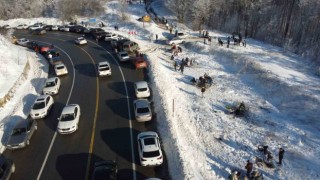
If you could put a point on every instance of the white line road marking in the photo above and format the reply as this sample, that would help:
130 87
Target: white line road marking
55 133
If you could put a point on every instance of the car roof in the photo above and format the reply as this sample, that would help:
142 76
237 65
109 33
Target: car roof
141 103
23 123
103 63
59 65
141 84
68 109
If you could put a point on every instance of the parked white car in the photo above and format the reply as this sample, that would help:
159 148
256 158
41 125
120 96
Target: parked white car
111 36
55 28
34 27
22 26
104 68
60 69
69 119
80 41
52 86
149 149
141 89
22 41
41 107
123 56
176 40
142 110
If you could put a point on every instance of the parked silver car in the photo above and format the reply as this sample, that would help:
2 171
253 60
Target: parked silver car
21 134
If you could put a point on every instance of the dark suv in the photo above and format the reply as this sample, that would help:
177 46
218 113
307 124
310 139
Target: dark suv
7 167
105 170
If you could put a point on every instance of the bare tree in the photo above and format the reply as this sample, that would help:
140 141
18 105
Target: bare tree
180 7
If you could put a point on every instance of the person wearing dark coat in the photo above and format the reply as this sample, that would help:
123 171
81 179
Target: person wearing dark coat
172 57
249 167
281 153
175 65
182 68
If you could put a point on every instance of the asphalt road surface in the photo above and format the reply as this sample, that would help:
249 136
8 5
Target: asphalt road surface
106 123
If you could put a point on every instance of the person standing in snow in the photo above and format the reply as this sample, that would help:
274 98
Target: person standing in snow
172 57
244 43
156 37
175 65
281 153
50 57
249 167
203 89
228 42
181 67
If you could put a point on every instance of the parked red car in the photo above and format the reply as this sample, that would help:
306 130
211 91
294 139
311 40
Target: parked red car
44 48
139 63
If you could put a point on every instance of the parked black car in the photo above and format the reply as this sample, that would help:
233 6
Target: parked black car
32 45
105 170
39 32
47 28
99 35
7 167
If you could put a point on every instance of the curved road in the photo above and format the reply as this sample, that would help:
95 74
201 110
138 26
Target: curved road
105 124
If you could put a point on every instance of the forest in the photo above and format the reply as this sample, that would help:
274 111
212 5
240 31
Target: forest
291 24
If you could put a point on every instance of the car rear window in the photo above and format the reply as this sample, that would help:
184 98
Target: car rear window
60 67
104 67
151 154
50 84
143 110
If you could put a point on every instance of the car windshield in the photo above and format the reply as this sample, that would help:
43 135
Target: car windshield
104 67
38 105
143 110
60 67
18 131
67 117
50 84
142 89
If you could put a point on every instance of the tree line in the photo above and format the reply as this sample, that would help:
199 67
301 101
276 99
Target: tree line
66 10
292 24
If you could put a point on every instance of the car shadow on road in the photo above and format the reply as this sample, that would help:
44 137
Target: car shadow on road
87 69
118 87
118 106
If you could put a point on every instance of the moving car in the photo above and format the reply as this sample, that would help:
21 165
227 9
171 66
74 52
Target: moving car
22 26
104 68
141 89
60 69
39 32
80 41
149 149
176 40
123 56
105 170
69 119
7 167
142 110
32 45
139 63
55 56
41 107
21 134
52 86
23 42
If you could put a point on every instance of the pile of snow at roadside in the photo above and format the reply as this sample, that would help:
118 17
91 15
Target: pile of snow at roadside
22 75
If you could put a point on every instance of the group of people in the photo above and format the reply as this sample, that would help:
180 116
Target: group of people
252 173
236 41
